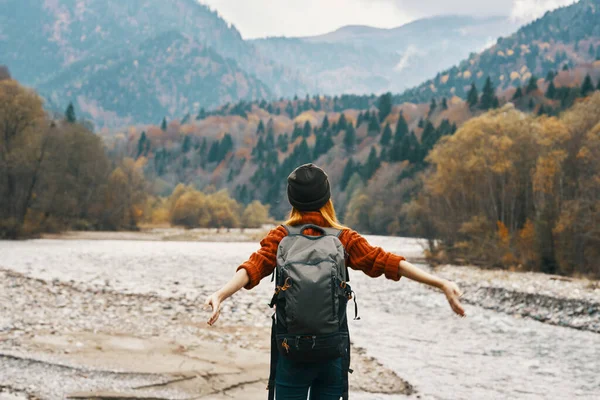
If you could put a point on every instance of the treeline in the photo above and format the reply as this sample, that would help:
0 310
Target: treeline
516 190
191 208
56 175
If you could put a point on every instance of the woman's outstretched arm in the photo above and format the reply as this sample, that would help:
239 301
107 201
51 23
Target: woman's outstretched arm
450 289
239 280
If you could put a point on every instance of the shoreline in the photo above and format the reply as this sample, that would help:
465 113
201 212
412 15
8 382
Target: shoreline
64 340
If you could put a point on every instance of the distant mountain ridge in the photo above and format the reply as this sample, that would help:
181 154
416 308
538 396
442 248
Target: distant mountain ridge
58 46
563 38
375 60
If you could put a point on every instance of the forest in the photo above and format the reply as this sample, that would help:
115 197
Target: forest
504 178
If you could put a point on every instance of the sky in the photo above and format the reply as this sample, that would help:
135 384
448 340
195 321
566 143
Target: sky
263 18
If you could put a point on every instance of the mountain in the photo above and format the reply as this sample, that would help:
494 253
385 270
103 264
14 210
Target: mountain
170 72
561 39
362 59
48 44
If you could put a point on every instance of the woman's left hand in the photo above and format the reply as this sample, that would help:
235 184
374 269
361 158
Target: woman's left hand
453 295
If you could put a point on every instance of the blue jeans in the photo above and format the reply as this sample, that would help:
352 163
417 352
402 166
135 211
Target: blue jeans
292 380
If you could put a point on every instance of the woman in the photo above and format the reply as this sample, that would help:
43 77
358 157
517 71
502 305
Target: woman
309 194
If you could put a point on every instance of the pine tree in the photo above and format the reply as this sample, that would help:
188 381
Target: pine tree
342 124
541 110
598 53
347 174
261 128
386 137
518 94
531 104
372 165
297 132
550 76
401 129
588 86
472 96
141 144
384 106
374 128
325 124
565 67
488 95
421 123
532 85
598 86
201 114
307 130
163 125
359 119
187 144
70 114
551 92
444 104
213 153
432 106
282 143
350 138
429 137
495 102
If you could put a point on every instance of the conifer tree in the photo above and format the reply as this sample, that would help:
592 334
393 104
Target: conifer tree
307 130
384 106
372 164
532 85
551 92
444 104
163 125
592 51
518 94
187 144
374 128
282 143
201 114
531 104
386 137
70 114
141 144
487 95
550 76
350 138
401 129
347 174
261 128
342 123
359 119
432 106
472 96
598 86
325 124
587 86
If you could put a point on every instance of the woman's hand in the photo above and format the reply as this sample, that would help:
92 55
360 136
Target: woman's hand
453 295
214 302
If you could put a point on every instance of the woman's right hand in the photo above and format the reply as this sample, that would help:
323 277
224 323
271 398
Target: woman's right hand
214 303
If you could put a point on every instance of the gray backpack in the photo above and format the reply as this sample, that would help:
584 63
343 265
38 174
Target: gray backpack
311 295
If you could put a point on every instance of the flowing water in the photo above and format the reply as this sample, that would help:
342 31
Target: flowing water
406 326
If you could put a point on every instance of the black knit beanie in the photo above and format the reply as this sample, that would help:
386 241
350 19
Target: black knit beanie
308 188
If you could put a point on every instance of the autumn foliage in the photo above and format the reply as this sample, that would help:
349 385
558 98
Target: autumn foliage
513 189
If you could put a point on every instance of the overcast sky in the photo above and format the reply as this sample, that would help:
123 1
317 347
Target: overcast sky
261 18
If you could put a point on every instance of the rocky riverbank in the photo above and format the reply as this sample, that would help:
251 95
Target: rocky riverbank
63 340
557 300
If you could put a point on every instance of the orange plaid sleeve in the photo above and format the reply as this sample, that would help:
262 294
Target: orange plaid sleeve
262 262
373 261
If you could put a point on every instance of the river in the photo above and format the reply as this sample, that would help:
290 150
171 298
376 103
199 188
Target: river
407 327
